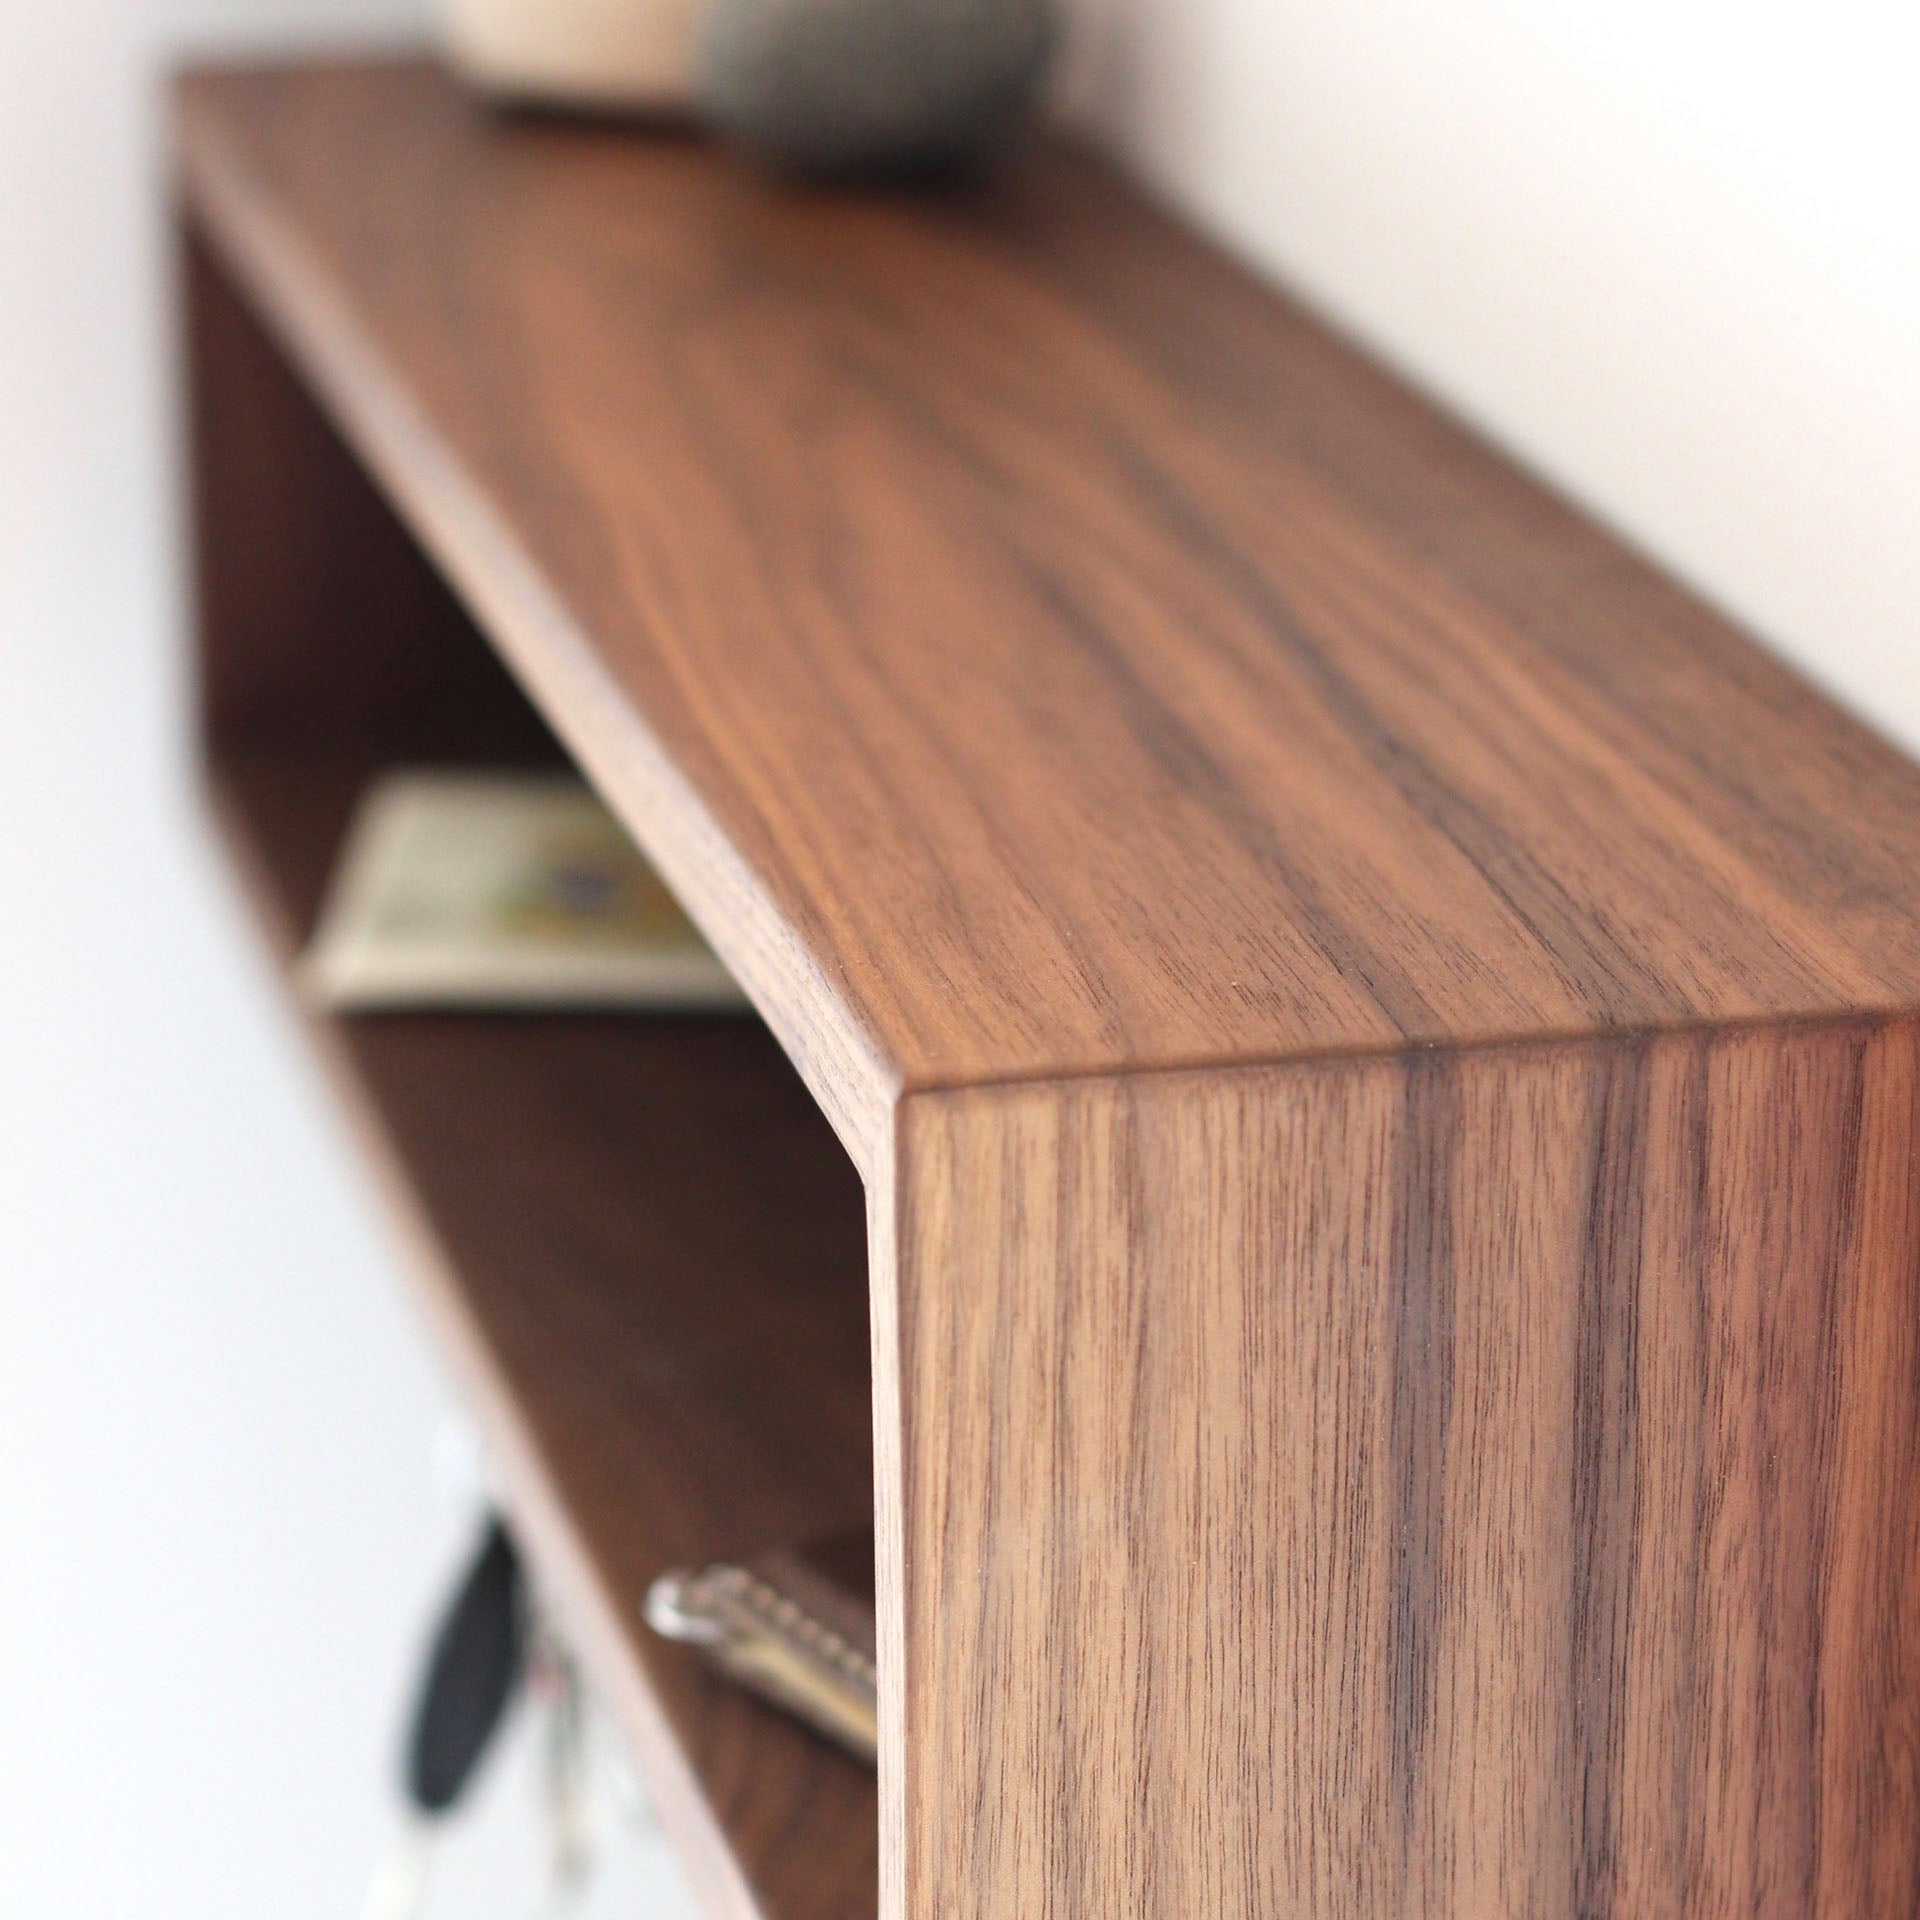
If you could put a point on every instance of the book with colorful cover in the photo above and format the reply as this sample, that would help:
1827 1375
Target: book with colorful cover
503 890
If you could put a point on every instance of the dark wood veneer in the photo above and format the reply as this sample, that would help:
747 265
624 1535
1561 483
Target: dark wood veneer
1381 1037
1005 564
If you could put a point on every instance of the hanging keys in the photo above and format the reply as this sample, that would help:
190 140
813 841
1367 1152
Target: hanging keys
473 1671
566 1767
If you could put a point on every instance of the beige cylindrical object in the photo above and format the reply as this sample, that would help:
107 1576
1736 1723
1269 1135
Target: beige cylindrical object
599 53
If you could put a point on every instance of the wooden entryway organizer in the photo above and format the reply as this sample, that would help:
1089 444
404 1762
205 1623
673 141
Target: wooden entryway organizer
1332 1153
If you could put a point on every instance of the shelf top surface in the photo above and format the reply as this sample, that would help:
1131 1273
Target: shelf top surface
1032 647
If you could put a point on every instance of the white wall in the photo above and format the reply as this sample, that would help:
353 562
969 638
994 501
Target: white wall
219 1524
1666 250
1669 249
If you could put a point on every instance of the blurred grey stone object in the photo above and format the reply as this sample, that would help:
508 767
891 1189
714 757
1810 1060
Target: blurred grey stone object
872 86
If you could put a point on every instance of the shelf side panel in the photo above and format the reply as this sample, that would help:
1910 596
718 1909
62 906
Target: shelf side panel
1476 1486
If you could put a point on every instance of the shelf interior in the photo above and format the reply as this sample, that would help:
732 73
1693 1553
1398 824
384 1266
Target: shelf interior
643 1244
653 1249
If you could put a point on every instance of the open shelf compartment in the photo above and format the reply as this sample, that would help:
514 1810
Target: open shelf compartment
640 1239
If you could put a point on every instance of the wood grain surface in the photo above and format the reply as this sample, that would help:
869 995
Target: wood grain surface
1481 1485
645 1251
1030 647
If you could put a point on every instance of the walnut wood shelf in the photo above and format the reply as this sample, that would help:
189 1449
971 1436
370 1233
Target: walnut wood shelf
1374 1043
